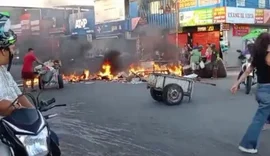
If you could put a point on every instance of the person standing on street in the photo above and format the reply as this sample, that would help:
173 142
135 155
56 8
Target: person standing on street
214 60
208 52
261 61
28 69
195 58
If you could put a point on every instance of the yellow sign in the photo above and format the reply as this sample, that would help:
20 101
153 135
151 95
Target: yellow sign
196 17
187 3
206 28
208 2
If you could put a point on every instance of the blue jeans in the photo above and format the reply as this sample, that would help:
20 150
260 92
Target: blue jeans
250 139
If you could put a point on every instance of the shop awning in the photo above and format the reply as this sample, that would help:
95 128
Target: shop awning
253 34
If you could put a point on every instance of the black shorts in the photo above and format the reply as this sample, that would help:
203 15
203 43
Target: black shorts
28 75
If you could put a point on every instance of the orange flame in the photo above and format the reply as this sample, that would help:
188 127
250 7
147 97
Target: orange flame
28 82
106 72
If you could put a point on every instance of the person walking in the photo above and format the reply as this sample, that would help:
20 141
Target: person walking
261 61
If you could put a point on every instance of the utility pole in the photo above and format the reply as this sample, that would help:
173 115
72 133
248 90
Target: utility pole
176 8
176 22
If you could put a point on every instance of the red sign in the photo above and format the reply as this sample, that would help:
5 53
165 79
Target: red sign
240 30
219 15
259 16
224 26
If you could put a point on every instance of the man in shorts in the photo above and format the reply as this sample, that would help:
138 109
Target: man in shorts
28 69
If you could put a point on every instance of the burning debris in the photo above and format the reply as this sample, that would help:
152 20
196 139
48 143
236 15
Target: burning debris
28 82
135 72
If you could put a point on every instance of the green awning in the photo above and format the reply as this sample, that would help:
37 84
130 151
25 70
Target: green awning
253 34
5 13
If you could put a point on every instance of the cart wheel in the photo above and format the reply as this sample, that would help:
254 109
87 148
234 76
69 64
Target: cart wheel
189 98
40 83
60 81
156 95
173 94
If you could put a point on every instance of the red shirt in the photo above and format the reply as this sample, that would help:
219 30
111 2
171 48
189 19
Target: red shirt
28 60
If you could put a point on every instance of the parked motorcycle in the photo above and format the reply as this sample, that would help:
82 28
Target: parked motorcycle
49 74
27 133
251 78
241 57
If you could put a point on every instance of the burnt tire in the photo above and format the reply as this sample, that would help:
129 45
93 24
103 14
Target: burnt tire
60 81
173 94
156 95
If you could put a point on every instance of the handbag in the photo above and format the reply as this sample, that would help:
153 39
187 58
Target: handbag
202 65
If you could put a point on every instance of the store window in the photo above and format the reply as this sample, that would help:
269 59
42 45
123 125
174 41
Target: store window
155 7
240 3
161 6
261 4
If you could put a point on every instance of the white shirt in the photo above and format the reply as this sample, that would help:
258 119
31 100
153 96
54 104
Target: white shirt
9 89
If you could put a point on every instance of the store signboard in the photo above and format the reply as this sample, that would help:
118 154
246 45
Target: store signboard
208 2
206 28
110 29
109 11
266 16
240 15
259 14
189 5
240 30
219 15
82 23
196 17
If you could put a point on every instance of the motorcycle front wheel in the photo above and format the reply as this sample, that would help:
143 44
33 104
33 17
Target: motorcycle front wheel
248 84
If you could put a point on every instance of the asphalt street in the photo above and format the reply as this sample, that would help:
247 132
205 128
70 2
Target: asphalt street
115 119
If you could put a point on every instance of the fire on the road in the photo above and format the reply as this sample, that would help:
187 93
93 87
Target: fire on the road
28 82
106 73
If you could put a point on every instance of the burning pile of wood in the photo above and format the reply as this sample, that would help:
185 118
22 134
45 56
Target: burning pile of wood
140 72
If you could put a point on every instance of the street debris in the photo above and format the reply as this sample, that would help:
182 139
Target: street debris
136 74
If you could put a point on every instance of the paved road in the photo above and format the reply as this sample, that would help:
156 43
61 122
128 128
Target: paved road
16 71
112 119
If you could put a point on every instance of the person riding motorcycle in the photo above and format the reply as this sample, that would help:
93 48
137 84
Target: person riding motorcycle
9 90
247 51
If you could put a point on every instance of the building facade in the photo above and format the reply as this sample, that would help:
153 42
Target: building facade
208 21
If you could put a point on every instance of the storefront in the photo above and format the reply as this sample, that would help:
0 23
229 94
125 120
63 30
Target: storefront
241 21
199 28
227 24
111 36
110 25
202 35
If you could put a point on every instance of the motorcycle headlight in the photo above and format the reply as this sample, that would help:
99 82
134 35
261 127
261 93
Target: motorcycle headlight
35 145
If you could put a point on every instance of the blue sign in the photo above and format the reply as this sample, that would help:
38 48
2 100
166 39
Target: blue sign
82 23
110 29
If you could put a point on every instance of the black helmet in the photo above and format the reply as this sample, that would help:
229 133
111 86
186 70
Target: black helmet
7 36
7 39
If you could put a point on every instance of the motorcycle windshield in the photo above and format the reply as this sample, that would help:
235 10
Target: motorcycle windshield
25 118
